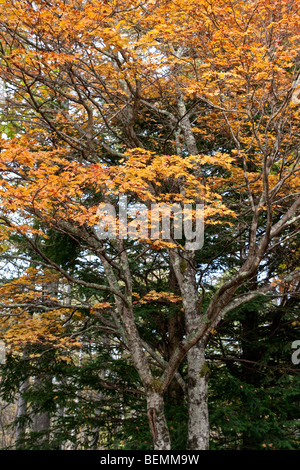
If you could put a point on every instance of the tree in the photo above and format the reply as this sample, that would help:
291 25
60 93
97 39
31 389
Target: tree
165 103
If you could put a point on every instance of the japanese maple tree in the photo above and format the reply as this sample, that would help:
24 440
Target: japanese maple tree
165 102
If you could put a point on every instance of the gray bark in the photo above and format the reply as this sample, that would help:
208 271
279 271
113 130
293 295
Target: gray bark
41 422
198 420
157 421
186 127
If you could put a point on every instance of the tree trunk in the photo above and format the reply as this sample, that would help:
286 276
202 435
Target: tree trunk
198 421
21 412
157 421
176 330
41 423
41 420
